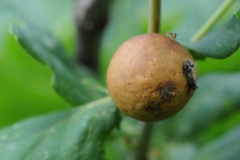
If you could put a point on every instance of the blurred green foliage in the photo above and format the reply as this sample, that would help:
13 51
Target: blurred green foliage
66 135
205 129
73 82
25 87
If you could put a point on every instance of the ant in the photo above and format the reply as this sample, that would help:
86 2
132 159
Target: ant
171 35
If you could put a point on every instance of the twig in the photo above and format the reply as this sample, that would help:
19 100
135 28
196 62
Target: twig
212 20
154 16
144 140
145 137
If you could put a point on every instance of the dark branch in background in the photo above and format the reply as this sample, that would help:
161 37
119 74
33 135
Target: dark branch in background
91 19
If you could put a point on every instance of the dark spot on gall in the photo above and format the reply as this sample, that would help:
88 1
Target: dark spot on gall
188 70
174 74
166 91
153 107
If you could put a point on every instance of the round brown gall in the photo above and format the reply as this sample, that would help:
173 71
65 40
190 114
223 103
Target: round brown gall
151 77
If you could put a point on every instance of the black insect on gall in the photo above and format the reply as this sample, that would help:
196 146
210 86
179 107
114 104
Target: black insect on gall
188 70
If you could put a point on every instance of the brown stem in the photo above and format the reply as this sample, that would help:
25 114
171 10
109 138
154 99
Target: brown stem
91 18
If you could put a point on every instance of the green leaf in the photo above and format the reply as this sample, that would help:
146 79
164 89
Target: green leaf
219 127
179 150
222 148
225 147
75 83
220 43
68 135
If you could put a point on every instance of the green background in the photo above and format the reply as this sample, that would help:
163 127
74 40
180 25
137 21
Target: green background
208 122
25 84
